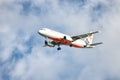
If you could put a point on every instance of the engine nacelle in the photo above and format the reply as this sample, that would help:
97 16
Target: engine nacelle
50 44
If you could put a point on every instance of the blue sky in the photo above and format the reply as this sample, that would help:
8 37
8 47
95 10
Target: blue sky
22 56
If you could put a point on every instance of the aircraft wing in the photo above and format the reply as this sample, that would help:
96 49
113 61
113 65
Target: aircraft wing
83 35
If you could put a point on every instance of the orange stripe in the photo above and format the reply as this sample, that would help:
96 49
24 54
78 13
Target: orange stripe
61 40
77 46
65 42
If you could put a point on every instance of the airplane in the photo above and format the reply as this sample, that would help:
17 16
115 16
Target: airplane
58 39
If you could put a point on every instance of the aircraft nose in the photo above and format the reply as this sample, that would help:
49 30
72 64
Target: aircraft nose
40 31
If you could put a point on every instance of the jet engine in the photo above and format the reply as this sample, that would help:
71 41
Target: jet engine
50 44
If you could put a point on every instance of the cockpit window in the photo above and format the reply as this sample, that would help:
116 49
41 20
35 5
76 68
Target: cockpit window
42 29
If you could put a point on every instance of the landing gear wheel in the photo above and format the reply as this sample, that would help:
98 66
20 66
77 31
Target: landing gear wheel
58 48
71 45
85 46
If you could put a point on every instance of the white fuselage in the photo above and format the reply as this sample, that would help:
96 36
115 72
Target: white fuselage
59 37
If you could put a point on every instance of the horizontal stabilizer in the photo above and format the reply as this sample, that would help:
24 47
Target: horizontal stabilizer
95 44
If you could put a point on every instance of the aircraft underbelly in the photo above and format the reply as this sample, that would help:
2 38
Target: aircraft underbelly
79 43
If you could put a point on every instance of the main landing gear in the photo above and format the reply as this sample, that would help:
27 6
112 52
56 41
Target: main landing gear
59 48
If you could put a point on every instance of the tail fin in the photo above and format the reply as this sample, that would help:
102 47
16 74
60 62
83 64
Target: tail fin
89 39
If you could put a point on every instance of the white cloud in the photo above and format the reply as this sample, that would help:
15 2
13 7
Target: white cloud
37 66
